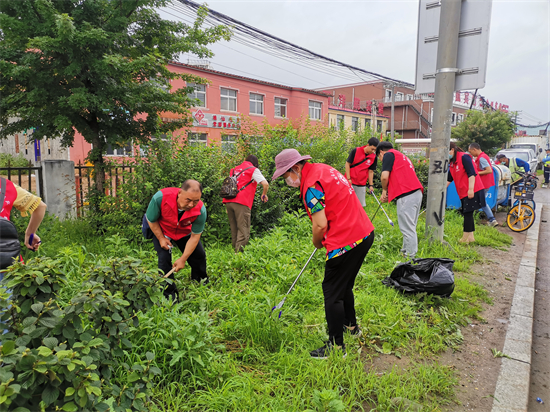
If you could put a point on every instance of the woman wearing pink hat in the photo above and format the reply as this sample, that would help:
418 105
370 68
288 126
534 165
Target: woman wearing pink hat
341 226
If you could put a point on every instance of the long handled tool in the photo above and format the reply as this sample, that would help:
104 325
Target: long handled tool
380 206
169 273
282 302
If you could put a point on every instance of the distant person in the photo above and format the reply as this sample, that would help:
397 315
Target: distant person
399 182
468 186
340 226
360 167
12 195
546 162
239 208
515 164
177 216
485 171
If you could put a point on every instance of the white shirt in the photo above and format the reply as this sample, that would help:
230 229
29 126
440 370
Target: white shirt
257 176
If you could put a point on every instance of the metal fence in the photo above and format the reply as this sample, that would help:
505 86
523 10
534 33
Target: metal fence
28 177
115 175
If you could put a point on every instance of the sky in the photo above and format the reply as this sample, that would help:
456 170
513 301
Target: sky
380 36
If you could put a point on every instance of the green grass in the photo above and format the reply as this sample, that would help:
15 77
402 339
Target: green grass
221 349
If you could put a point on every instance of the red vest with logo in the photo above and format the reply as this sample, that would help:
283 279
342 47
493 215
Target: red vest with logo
10 196
461 178
347 220
360 173
168 220
246 196
488 180
403 178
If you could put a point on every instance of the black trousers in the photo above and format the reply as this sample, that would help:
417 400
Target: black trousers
469 225
546 175
197 261
340 274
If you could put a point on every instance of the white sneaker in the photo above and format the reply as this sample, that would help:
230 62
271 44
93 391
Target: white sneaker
493 223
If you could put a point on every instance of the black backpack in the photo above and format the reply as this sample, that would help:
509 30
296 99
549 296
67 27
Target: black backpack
10 248
229 189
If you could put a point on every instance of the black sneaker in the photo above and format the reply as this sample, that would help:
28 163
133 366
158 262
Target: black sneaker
324 352
356 331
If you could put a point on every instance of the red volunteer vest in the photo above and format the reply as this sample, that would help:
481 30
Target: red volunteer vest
246 196
11 195
360 173
168 220
402 178
488 180
347 220
461 178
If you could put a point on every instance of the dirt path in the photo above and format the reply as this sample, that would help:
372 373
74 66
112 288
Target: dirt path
475 365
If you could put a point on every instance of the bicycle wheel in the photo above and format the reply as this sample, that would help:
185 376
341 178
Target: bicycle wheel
528 202
520 218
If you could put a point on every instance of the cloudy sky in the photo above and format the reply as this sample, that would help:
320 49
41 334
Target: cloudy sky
380 36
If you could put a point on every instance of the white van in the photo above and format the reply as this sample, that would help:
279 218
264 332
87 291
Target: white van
539 155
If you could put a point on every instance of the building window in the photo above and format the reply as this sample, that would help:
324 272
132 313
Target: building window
379 124
409 97
199 94
119 150
398 97
280 107
340 121
354 123
228 143
460 118
367 124
453 119
256 103
228 99
387 98
315 110
196 139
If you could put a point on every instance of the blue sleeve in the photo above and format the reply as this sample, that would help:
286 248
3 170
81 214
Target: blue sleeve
524 164
546 159
468 166
483 163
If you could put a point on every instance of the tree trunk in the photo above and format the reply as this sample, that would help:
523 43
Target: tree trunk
96 157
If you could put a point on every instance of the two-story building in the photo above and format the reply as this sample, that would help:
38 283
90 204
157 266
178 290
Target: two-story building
358 120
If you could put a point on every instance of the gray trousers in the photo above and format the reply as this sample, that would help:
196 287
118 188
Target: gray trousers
360 191
408 209
239 221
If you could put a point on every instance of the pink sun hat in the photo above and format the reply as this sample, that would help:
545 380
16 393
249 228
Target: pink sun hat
285 160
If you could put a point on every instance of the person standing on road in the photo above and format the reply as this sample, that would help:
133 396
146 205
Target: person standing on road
514 164
239 208
485 172
468 186
546 163
360 167
341 226
399 182
177 216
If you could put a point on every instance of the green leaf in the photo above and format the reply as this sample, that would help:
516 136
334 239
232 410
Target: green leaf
71 366
68 332
21 409
29 329
83 401
7 347
95 390
48 322
26 306
50 395
50 342
134 376
95 342
386 348
69 392
150 356
126 343
37 307
88 360
41 368
70 407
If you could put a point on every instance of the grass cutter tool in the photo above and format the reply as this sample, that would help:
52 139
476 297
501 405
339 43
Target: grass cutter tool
380 206
282 302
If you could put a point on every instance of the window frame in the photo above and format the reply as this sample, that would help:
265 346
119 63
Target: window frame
125 153
256 102
229 98
399 96
225 143
453 119
280 105
192 139
195 94
355 123
379 126
315 109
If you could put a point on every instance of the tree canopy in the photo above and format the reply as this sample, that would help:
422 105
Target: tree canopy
95 66
490 129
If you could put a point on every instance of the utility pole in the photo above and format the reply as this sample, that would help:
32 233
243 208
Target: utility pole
392 111
445 75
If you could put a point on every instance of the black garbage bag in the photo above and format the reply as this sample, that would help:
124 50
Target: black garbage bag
431 275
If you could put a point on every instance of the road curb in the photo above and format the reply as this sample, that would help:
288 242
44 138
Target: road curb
512 390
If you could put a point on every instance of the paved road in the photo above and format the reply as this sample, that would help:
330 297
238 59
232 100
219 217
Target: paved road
540 355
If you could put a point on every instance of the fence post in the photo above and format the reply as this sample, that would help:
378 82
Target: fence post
59 187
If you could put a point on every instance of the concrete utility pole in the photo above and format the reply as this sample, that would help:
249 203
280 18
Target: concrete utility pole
446 70
392 111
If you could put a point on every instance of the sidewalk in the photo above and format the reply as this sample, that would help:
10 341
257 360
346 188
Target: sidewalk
512 390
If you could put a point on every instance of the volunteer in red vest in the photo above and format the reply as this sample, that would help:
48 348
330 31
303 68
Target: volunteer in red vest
399 182
360 168
468 186
25 202
341 226
177 216
482 163
239 208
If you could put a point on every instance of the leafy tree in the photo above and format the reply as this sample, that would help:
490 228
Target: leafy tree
491 129
94 66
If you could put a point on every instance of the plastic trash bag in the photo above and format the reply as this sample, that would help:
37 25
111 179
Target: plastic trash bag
431 275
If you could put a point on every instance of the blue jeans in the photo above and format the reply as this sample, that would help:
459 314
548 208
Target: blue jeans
487 210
